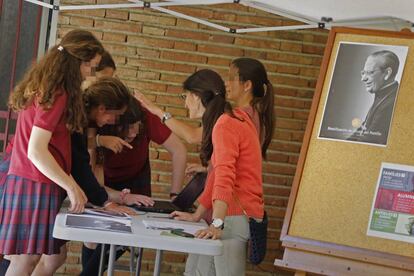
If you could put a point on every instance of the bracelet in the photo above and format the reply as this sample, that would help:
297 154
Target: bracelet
173 194
108 203
123 194
97 140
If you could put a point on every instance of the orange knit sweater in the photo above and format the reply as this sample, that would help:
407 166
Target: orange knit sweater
236 166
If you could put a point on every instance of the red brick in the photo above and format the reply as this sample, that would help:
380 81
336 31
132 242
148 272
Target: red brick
180 45
153 64
89 13
120 49
258 20
63 20
153 30
152 19
183 57
291 47
195 12
114 37
80 21
117 14
150 41
148 75
148 53
173 78
255 54
187 34
220 50
222 38
119 26
224 16
186 23
142 86
185 68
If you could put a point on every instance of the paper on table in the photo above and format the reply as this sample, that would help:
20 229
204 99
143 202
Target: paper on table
105 213
159 224
126 221
98 223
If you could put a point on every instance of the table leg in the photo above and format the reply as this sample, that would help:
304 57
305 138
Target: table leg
157 265
111 260
102 260
139 261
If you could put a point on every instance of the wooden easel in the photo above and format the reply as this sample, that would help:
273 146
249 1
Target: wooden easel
309 251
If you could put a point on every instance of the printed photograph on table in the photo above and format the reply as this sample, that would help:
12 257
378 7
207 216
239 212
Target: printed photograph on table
392 212
98 223
362 93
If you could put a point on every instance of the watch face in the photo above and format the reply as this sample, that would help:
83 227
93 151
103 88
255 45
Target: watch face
217 223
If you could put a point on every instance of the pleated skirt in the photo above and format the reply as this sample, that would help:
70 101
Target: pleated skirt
27 215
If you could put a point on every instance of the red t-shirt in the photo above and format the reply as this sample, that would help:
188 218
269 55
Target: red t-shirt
52 120
128 164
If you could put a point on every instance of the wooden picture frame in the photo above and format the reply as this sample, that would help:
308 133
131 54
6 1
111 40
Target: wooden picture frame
335 181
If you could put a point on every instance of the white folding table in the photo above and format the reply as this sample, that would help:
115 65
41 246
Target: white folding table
140 237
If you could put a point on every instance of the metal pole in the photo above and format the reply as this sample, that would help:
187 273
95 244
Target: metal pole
53 24
102 260
157 265
111 261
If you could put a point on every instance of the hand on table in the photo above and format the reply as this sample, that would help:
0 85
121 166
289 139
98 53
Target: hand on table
177 215
209 233
131 199
120 209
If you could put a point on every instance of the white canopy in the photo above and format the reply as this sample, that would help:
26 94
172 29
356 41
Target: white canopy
345 10
382 14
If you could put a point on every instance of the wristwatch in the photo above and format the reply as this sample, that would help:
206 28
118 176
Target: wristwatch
166 116
218 223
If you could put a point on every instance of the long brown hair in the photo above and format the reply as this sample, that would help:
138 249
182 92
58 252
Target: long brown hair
210 88
133 114
263 96
59 69
107 91
106 61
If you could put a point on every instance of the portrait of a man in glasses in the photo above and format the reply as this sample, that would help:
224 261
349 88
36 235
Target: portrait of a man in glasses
378 77
362 93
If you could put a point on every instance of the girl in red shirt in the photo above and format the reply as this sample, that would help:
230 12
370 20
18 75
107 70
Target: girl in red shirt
50 106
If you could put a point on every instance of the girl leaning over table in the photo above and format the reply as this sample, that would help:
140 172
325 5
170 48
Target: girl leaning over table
49 102
234 176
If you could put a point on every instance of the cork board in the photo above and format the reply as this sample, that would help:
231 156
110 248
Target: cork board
338 180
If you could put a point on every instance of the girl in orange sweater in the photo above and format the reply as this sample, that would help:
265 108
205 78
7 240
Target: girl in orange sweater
234 182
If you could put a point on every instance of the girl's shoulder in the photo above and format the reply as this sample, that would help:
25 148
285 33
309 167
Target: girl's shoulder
235 120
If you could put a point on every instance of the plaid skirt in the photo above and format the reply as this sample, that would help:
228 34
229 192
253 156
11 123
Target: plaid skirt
4 168
27 216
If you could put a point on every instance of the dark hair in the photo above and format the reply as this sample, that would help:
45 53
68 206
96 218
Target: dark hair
106 61
107 91
134 113
59 68
250 69
210 88
390 59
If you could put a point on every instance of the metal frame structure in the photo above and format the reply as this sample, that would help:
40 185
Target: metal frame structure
310 23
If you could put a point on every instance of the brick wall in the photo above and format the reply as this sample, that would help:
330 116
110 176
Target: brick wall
155 52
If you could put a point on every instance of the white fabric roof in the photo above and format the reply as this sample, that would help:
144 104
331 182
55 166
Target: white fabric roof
345 10
382 14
